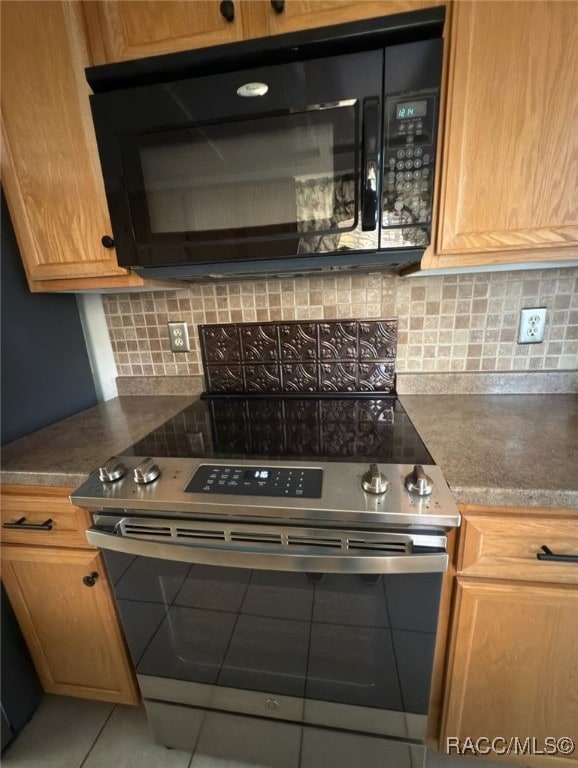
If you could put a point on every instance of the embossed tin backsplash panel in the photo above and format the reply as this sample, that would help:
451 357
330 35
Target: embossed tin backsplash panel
300 357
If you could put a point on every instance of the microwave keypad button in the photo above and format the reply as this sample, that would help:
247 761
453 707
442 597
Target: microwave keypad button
417 162
409 140
408 175
417 174
407 186
410 152
399 176
409 164
426 158
401 154
425 173
400 165
398 205
418 152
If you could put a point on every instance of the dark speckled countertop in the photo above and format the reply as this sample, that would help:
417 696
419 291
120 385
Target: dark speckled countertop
65 453
513 450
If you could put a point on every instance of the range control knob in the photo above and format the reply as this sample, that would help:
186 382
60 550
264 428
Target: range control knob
418 482
146 472
374 481
113 470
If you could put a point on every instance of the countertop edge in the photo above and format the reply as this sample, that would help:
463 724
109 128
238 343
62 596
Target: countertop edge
515 497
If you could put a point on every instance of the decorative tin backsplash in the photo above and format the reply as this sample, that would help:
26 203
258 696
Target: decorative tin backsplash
302 357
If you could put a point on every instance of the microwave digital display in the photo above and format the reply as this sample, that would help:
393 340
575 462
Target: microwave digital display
410 109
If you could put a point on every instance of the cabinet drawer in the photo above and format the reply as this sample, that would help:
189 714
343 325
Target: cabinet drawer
65 525
504 543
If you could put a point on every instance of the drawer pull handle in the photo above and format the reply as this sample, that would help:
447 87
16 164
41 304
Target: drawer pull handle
22 525
90 581
547 554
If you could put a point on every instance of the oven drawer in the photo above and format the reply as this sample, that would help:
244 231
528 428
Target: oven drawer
258 741
42 516
508 543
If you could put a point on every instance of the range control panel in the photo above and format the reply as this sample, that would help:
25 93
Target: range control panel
257 481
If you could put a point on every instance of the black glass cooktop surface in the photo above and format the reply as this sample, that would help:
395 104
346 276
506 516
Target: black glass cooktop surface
335 429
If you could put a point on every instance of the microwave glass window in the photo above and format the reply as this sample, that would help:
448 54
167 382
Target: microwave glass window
290 174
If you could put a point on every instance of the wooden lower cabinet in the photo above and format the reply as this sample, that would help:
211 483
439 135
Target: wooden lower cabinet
513 653
70 625
515 666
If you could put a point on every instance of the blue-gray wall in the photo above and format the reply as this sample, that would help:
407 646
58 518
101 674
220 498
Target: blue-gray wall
45 371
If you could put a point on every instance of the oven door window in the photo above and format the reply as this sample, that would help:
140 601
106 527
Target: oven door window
348 639
278 176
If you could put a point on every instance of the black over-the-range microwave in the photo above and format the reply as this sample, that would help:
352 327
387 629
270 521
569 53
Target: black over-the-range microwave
304 152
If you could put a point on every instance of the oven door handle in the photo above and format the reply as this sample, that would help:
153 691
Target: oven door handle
270 559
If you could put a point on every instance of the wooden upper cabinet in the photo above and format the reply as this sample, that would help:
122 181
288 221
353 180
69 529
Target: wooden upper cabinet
50 168
125 29
307 14
510 151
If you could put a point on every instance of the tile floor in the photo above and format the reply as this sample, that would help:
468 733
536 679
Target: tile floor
73 733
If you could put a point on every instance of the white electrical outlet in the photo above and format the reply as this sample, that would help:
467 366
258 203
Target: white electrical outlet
179 337
532 324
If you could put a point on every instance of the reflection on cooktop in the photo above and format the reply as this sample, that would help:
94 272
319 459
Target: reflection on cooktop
337 429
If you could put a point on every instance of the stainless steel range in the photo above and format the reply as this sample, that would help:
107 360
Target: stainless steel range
277 565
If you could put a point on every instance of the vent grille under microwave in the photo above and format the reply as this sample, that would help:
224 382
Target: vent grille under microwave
272 537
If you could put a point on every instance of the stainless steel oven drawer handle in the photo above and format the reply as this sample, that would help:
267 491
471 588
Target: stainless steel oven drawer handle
270 560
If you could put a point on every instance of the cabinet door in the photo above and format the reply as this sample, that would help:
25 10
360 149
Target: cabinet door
124 29
513 665
71 629
307 14
509 174
50 168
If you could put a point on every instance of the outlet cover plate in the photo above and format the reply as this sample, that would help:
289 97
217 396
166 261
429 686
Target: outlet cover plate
532 324
179 337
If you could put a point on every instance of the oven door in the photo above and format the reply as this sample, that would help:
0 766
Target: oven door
273 162
311 632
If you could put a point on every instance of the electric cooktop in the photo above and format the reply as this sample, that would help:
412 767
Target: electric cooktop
330 428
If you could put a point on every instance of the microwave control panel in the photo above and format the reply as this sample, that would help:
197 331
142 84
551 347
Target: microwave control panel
410 142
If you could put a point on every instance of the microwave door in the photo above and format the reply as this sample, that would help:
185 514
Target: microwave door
302 181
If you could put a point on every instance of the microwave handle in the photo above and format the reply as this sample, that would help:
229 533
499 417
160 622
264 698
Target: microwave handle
370 188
